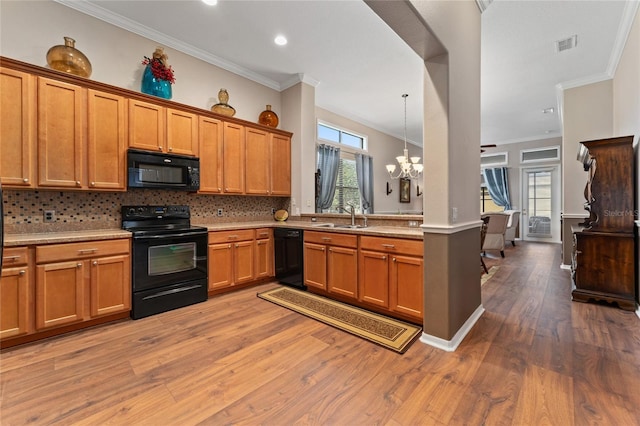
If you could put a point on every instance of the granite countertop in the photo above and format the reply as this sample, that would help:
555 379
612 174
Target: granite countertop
13 240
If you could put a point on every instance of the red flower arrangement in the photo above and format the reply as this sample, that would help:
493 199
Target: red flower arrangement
159 69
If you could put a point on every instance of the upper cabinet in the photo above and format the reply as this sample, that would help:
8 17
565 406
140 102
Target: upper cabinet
60 131
18 129
156 128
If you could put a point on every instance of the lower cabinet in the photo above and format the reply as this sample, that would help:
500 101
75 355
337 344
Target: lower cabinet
81 281
15 293
390 275
48 286
239 257
330 262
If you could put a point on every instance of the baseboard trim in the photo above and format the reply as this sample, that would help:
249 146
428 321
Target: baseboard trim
452 345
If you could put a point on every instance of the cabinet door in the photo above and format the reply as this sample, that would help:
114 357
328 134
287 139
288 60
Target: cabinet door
182 132
59 294
146 126
18 129
257 162
233 154
110 285
406 285
342 271
374 281
106 147
264 258
14 303
315 265
280 165
210 134
243 261
220 266
61 134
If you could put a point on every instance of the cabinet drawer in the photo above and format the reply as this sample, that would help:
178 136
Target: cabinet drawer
14 256
392 245
229 236
262 233
58 252
334 239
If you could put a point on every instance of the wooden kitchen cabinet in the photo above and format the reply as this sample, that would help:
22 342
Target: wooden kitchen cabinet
15 292
231 258
61 133
391 271
257 166
264 253
106 141
79 281
280 172
18 130
233 158
268 163
156 128
182 132
146 126
338 253
210 134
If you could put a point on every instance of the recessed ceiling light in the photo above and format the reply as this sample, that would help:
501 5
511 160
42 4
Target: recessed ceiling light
210 2
548 110
280 40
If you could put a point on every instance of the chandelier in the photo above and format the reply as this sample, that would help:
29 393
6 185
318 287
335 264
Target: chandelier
410 167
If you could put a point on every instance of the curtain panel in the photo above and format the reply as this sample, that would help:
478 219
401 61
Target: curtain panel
498 186
328 163
364 173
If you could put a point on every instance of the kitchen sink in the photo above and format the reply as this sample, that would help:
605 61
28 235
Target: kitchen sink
323 225
350 226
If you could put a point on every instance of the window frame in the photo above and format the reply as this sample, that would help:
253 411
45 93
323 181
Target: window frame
341 130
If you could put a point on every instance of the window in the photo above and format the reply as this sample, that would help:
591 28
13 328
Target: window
551 153
346 186
494 160
342 137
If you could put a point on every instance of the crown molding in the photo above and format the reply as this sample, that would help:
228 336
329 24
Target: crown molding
299 78
626 22
141 30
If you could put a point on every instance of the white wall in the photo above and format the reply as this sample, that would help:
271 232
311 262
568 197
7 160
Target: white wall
626 86
29 28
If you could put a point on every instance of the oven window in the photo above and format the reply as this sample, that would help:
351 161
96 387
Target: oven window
168 259
159 174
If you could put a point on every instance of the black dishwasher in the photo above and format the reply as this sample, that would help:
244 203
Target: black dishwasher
288 256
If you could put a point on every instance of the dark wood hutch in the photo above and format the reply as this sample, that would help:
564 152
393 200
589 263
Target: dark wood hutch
604 265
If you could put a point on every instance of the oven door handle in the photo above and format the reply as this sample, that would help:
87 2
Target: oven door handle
173 291
167 236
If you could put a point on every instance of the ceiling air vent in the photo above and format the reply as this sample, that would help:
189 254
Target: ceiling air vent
566 44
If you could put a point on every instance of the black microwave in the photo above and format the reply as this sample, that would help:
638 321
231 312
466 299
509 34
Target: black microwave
147 169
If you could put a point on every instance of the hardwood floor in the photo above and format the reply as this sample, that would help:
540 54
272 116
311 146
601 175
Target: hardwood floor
534 357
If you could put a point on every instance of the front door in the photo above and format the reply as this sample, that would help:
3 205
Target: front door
541 200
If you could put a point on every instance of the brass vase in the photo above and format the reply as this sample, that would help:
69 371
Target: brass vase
268 118
65 57
222 107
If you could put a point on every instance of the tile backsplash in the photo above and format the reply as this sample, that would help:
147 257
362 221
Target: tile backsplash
24 210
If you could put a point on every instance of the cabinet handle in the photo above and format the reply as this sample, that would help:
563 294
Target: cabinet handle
578 251
232 237
22 272
237 245
219 189
170 149
77 183
229 246
25 180
95 263
78 265
322 249
394 259
388 246
159 148
384 257
87 251
93 184
11 258
326 239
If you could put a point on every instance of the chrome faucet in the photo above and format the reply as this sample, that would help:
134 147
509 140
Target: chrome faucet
352 212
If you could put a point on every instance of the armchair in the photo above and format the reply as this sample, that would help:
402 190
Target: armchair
512 225
496 228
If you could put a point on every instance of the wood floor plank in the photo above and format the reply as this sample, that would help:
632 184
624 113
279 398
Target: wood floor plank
534 357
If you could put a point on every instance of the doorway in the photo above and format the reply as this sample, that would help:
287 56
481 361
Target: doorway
541 204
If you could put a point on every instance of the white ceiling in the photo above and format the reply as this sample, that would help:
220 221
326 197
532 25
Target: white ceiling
362 67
